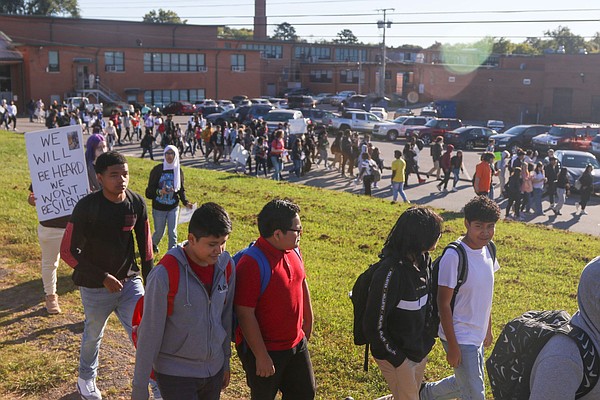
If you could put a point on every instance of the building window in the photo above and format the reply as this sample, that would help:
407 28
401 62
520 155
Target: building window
321 75
351 76
165 96
308 53
174 62
238 62
53 65
346 54
114 61
266 50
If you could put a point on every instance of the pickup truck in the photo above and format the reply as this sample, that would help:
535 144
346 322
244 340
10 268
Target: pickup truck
397 128
73 103
357 120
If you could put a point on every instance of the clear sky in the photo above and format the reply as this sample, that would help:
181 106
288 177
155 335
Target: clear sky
416 22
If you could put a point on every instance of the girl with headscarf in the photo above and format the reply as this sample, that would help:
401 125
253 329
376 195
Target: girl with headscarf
165 189
96 145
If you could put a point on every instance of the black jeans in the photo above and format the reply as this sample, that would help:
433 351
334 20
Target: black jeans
444 181
184 388
294 374
367 181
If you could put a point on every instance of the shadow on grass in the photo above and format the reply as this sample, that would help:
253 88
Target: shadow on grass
26 295
75 328
71 396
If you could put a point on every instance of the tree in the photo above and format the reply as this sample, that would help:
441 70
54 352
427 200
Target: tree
41 7
502 46
346 36
163 17
285 31
563 37
226 32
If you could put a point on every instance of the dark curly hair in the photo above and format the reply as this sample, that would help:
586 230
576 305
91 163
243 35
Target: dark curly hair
482 208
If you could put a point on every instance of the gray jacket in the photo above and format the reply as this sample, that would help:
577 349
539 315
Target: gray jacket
195 340
558 369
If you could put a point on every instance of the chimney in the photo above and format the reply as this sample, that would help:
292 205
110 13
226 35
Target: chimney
260 19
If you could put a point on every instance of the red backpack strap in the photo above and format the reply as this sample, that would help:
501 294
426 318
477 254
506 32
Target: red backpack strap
173 272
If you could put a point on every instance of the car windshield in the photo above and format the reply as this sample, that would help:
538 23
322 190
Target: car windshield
579 161
278 117
400 120
431 122
515 130
561 131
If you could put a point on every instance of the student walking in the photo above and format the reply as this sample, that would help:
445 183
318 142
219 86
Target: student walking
189 348
397 308
466 328
398 167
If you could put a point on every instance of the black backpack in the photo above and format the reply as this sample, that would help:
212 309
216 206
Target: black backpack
358 296
509 366
433 320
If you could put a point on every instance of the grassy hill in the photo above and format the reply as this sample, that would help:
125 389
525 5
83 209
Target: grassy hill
343 234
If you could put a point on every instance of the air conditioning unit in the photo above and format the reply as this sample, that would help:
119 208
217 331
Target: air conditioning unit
110 68
238 68
202 68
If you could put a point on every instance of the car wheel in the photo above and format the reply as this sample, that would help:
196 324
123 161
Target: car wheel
469 145
426 139
392 136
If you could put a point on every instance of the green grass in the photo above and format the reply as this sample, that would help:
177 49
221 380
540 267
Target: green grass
343 234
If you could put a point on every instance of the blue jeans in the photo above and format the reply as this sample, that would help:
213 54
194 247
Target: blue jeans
278 166
398 187
537 200
467 381
298 167
98 304
456 172
184 388
162 219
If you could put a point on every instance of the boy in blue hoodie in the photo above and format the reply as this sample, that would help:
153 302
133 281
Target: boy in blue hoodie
189 349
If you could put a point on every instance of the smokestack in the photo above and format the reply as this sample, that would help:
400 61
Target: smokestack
260 19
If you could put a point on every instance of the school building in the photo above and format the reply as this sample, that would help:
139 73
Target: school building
52 58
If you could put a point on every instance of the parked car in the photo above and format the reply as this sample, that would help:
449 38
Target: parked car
398 127
434 128
238 99
296 92
297 102
258 111
207 110
206 103
220 118
358 101
428 112
596 146
576 162
226 104
341 96
279 103
180 108
380 112
323 98
469 137
260 100
275 117
241 113
496 125
318 116
566 137
518 136
403 111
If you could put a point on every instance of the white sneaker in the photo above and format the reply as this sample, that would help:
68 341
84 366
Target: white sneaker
454 189
155 390
583 212
577 207
88 390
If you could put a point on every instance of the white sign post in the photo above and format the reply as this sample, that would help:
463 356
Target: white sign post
58 170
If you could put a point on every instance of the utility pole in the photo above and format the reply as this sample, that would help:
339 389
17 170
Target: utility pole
383 24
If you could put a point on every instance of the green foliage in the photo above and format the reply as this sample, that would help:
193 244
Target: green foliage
285 31
345 36
163 17
41 7
226 32
540 269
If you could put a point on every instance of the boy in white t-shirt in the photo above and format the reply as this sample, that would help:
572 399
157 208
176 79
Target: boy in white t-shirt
467 328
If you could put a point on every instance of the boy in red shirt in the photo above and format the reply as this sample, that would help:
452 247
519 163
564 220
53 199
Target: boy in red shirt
277 323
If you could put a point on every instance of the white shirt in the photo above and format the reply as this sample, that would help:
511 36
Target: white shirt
12 110
473 303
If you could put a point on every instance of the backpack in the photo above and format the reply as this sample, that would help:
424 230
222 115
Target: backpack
173 273
375 172
433 320
509 366
359 295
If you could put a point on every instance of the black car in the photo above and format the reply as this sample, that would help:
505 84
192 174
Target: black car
469 137
220 118
210 110
298 102
257 111
518 136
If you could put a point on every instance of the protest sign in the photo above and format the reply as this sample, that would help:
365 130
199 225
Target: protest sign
298 126
58 170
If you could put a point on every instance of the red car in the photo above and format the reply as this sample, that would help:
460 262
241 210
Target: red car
180 108
434 128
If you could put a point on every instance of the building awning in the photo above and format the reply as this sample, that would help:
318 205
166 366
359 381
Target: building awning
8 55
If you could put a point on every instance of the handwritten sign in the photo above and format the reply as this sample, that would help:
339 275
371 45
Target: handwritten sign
58 170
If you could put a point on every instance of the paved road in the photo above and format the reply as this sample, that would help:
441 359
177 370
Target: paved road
426 193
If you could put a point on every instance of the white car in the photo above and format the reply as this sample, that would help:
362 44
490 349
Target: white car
341 96
259 100
397 128
226 104
277 116
380 112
